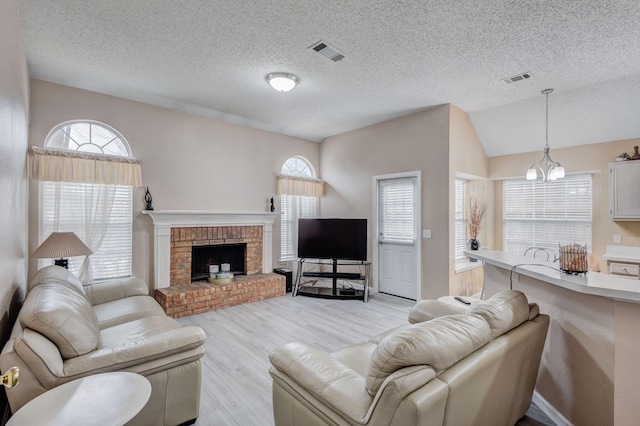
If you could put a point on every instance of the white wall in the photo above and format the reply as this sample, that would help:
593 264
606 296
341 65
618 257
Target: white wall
189 162
14 105
14 112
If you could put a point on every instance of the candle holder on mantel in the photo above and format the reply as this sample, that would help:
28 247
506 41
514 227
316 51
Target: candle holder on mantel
636 155
148 199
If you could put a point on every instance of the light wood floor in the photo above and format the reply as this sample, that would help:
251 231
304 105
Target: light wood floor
236 386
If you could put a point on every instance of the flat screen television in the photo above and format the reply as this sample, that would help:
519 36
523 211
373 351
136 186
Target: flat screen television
332 239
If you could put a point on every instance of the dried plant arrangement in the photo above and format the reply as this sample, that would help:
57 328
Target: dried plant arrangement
477 209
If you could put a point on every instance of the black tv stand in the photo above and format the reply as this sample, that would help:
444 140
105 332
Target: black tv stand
314 283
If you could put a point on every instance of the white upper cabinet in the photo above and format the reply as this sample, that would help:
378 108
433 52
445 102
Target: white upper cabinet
624 190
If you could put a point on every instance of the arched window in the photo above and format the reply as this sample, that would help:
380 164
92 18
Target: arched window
87 136
88 197
299 197
298 166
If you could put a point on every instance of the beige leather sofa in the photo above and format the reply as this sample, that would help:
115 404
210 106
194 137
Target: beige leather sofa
66 331
450 366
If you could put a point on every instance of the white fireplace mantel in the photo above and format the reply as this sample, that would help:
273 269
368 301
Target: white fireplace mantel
164 220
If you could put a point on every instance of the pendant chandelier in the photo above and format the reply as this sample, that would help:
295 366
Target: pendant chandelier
548 169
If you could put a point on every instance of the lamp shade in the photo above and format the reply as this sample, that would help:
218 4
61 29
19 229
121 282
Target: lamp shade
59 245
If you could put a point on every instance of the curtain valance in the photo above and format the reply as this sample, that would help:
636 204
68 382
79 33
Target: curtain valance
294 185
73 166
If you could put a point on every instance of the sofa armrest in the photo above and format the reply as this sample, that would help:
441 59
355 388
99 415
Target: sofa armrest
426 310
159 346
107 291
326 378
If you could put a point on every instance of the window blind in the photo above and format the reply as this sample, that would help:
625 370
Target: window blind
461 223
397 206
547 214
66 206
293 208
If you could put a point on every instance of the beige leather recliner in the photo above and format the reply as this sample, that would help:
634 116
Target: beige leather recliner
66 331
449 366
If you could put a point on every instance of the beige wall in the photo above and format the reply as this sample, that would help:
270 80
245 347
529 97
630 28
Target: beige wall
467 160
415 142
589 158
14 105
189 162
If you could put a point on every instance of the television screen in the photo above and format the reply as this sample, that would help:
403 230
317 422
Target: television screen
332 239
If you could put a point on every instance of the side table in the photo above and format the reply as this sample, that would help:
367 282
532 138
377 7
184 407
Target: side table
107 399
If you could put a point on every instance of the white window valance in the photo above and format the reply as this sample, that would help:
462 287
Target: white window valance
294 185
55 165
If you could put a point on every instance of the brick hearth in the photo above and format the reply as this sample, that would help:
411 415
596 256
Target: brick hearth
199 297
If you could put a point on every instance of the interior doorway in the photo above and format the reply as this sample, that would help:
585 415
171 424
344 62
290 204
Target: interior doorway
396 230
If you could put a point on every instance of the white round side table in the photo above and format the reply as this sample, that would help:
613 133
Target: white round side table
101 399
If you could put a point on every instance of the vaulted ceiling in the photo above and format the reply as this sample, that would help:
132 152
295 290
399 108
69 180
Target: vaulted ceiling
210 57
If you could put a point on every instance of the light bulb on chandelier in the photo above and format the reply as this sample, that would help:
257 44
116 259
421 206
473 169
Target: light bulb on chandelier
549 170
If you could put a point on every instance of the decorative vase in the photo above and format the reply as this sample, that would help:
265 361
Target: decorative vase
473 244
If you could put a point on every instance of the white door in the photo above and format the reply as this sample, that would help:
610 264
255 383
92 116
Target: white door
397 226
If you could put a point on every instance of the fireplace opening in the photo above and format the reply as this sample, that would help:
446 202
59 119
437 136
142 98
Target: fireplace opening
203 256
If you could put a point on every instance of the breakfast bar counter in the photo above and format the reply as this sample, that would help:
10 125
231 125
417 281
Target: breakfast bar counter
594 283
589 374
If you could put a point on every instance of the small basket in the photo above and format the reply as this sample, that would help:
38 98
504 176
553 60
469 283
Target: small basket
573 259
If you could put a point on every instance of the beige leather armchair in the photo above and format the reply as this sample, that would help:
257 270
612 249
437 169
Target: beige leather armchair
449 366
66 331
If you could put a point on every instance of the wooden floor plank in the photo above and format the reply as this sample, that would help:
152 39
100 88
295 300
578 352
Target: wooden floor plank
236 386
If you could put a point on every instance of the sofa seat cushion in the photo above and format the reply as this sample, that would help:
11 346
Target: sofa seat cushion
63 316
136 331
504 311
125 310
438 343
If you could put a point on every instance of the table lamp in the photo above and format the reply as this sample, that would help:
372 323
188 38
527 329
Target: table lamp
61 245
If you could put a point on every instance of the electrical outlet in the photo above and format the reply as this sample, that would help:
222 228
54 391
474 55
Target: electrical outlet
515 277
426 233
617 238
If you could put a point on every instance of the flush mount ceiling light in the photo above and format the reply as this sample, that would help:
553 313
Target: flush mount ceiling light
282 81
549 169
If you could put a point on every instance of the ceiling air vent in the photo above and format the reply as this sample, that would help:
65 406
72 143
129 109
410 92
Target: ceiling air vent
328 51
516 78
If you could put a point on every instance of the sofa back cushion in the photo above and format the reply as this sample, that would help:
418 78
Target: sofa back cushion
56 274
503 311
439 343
63 316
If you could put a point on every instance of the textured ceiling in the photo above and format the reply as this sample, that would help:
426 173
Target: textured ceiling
210 57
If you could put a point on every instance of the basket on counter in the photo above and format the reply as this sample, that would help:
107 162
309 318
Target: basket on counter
573 259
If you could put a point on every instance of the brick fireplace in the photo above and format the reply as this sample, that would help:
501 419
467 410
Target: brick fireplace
175 235
184 228
184 238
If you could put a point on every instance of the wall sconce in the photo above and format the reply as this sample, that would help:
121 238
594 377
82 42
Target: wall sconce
59 246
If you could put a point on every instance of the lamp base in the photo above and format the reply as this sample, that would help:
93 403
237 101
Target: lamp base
62 262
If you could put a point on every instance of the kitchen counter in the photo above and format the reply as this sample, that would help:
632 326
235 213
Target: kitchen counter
593 283
622 254
589 373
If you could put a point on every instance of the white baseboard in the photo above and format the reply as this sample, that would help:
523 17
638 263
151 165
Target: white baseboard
550 410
